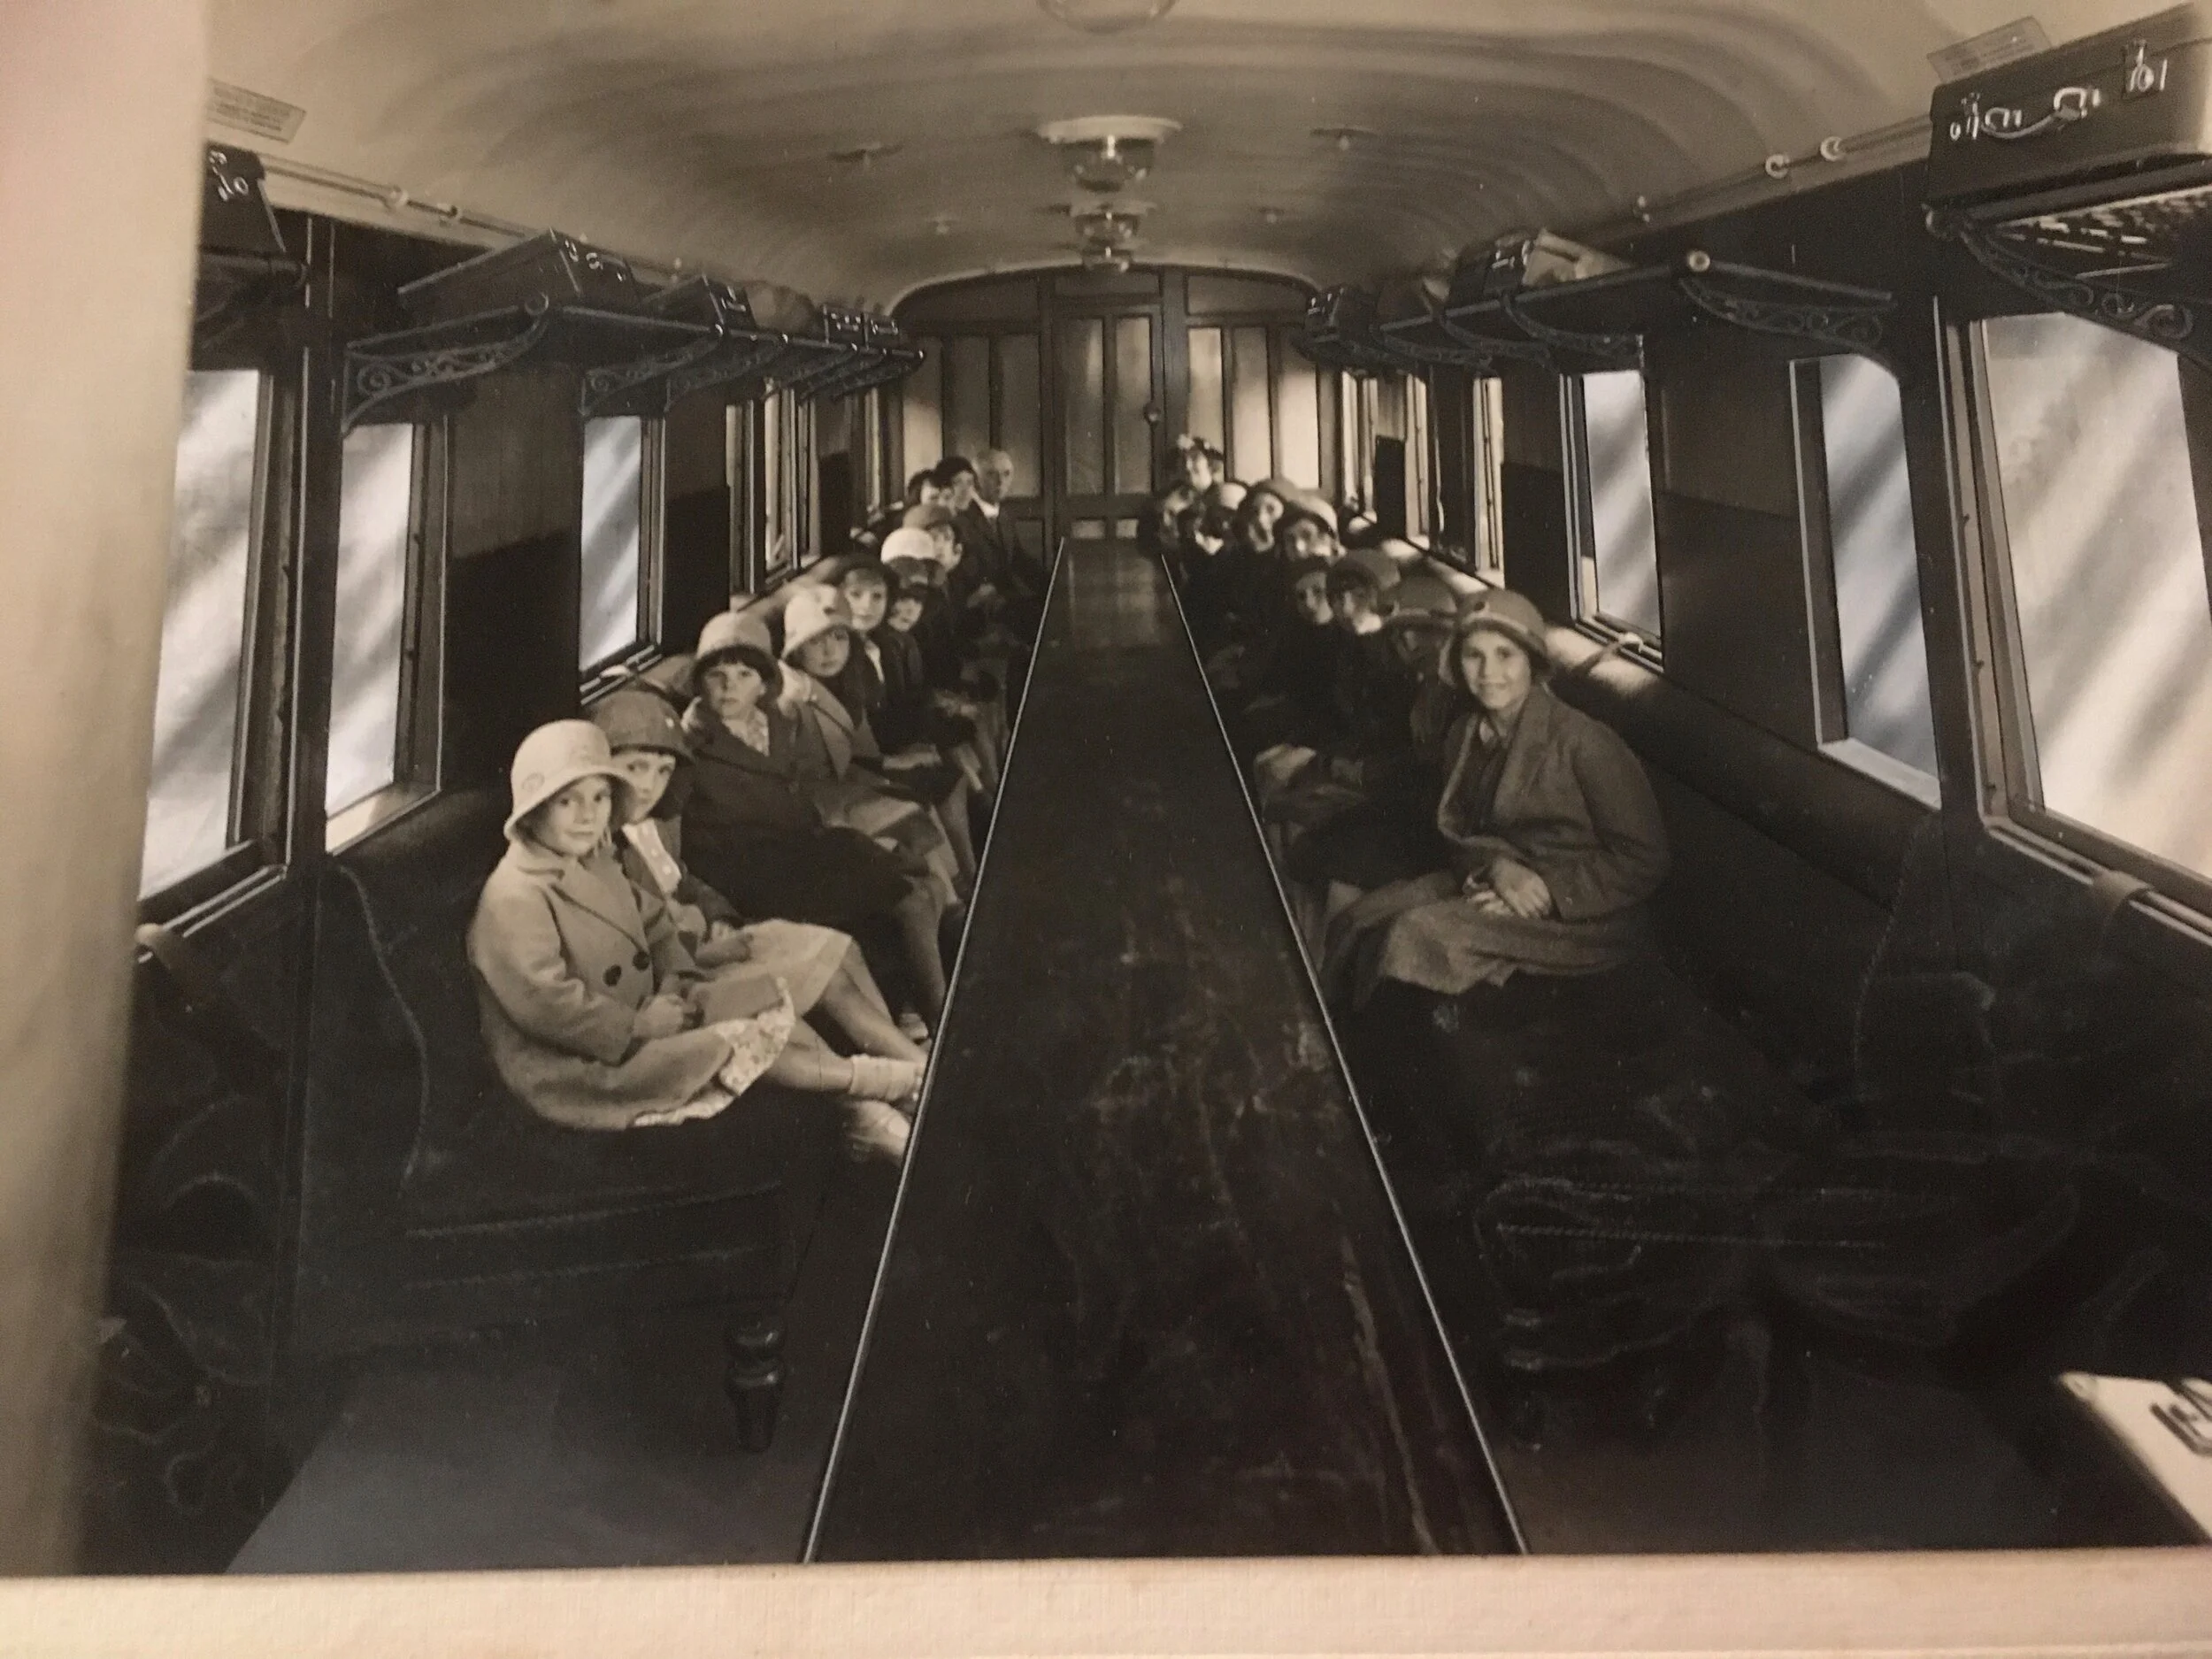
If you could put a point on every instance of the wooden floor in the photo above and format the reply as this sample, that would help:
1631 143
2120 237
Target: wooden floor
1145 1293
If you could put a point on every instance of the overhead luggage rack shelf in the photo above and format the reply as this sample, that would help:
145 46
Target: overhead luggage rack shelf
244 265
1339 333
1785 305
1601 319
876 354
417 372
2140 263
1423 342
2082 178
548 303
1601 322
734 357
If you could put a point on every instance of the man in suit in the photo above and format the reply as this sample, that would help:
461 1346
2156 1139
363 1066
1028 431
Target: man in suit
988 537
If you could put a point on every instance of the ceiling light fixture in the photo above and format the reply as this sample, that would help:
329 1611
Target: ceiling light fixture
1271 215
1109 226
1109 152
1106 17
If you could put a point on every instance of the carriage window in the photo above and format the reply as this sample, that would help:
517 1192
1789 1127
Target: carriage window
1878 717
1421 511
386 666
2097 439
191 817
1610 503
1486 475
611 618
375 513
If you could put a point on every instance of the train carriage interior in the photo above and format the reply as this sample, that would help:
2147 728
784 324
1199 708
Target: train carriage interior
1440 769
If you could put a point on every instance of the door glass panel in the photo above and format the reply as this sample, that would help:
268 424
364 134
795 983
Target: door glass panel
1251 441
1021 425
921 410
1083 396
1206 388
967 396
1299 397
1133 394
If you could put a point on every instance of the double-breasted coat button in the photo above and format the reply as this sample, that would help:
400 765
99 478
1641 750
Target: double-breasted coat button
640 961
614 976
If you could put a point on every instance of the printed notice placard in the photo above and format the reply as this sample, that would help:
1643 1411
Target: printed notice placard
253 111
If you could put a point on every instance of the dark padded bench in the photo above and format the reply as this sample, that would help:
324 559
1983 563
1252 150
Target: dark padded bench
432 1202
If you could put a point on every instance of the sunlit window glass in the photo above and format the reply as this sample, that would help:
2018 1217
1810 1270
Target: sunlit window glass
613 487
203 630
2115 632
775 527
375 517
1623 558
1878 580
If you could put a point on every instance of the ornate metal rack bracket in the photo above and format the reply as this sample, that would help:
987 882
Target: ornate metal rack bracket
376 376
722 369
1847 321
1625 352
601 387
1490 350
1419 355
2176 325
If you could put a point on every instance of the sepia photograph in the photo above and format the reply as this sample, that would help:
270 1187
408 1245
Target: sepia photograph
942 827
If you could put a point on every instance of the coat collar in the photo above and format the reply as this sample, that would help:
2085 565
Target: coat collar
596 884
710 737
1530 738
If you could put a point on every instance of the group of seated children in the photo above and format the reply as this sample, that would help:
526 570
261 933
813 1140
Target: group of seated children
703 865
1443 821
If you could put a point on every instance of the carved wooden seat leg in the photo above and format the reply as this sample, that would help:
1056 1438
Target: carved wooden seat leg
753 1377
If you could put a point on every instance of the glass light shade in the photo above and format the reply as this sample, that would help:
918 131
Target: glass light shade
1106 17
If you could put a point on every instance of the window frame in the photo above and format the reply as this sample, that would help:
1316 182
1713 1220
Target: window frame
1424 509
1481 469
419 751
645 645
1824 613
1582 586
259 792
2007 775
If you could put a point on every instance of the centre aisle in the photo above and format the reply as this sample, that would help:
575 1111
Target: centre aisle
1145 1294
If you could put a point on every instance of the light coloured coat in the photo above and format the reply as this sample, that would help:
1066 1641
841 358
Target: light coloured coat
566 952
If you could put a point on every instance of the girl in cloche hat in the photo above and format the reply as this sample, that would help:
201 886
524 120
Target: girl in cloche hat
593 1012
822 968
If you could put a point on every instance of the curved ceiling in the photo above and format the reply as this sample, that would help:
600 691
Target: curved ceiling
701 129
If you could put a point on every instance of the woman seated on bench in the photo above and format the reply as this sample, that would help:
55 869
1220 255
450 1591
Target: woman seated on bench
594 1014
1555 837
752 830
